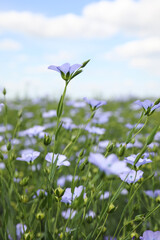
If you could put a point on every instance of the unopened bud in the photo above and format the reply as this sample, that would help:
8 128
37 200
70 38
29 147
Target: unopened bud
133 140
16 174
121 151
40 216
89 219
59 192
13 156
20 113
139 217
102 229
134 235
4 91
24 198
81 153
111 208
158 199
109 147
73 138
9 146
1 156
85 201
24 181
82 166
157 101
47 140
85 63
28 236
39 235
61 235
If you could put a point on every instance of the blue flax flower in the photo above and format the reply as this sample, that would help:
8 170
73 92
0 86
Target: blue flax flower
140 162
66 70
148 106
29 157
152 194
67 196
61 159
68 213
131 176
150 235
94 104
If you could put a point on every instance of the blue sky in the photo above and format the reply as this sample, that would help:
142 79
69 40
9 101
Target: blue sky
121 38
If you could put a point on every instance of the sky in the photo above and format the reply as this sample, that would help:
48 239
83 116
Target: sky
121 37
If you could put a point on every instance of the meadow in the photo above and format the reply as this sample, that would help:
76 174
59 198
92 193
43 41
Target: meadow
79 169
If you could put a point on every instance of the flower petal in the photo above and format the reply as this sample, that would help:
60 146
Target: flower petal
64 68
53 67
74 67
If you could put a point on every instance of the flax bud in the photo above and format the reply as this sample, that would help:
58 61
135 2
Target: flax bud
59 192
40 215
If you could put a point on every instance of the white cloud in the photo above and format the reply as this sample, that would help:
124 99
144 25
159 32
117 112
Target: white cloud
98 20
140 54
9 45
60 57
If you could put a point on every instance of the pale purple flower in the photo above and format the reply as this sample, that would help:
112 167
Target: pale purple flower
110 165
147 104
105 195
36 167
3 128
42 135
90 214
152 194
34 131
103 144
131 176
65 68
26 151
95 130
157 136
135 144
76 104
49 114
1 138
101 117
67 196
15 141
131 145
94 104
69 126
124 191
1 106
28 115
110 238
140 162
29 157
61 159
2 165
130 126
20 229
61 181
153 144
68 213
41 190
150 235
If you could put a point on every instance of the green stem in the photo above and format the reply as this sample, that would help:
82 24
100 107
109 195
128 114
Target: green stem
57 214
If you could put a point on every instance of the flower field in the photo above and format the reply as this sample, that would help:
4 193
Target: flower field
86 169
